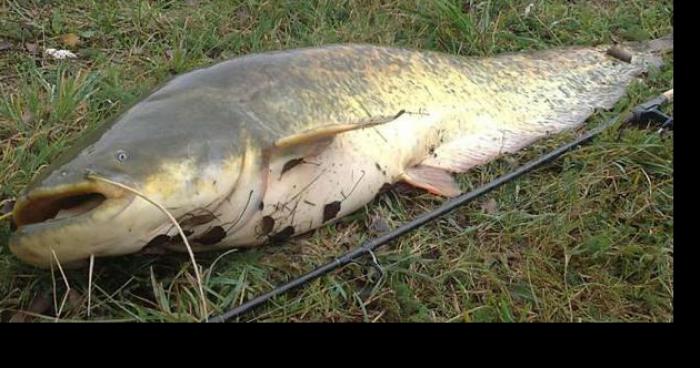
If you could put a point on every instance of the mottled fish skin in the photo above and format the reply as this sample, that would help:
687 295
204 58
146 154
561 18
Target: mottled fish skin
204 144
485 106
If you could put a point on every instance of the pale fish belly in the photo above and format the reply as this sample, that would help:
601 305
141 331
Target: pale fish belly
340 180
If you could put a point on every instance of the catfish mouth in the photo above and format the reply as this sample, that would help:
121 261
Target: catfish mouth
67 222
58 207
59 204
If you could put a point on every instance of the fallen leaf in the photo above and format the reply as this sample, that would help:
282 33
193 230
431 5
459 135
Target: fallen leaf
378 225
31 47
490 206
74 300
82 107
70 40
19 317
4 45
27 117
243 15
466 7
405 188
7 205
39 305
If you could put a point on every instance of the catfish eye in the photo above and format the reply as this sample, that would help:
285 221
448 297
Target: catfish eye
122 156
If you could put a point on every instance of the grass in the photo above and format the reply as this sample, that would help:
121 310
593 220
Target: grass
587 238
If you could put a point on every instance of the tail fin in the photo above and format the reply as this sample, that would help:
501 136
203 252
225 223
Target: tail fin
556 90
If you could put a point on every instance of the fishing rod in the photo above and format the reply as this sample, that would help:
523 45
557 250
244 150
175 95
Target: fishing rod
647 112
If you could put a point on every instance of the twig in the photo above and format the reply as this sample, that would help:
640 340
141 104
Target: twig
92 265
65 280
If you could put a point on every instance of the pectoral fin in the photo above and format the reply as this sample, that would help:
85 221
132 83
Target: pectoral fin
434 180
327 132
289 151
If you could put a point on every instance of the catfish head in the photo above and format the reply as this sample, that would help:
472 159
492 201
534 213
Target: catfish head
181 147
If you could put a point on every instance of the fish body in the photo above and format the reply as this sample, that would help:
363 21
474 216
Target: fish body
267 146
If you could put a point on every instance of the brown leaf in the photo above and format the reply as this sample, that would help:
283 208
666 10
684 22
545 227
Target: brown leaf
39 305
7 205
27 117
243 15
466 7
31 47
74 300
4 45
378 225
405 188
19 317
70 40
82 107
490 206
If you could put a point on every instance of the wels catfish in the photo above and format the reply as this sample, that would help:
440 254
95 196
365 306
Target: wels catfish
267 146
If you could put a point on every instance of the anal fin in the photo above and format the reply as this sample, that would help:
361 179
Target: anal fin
434 180
483 146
